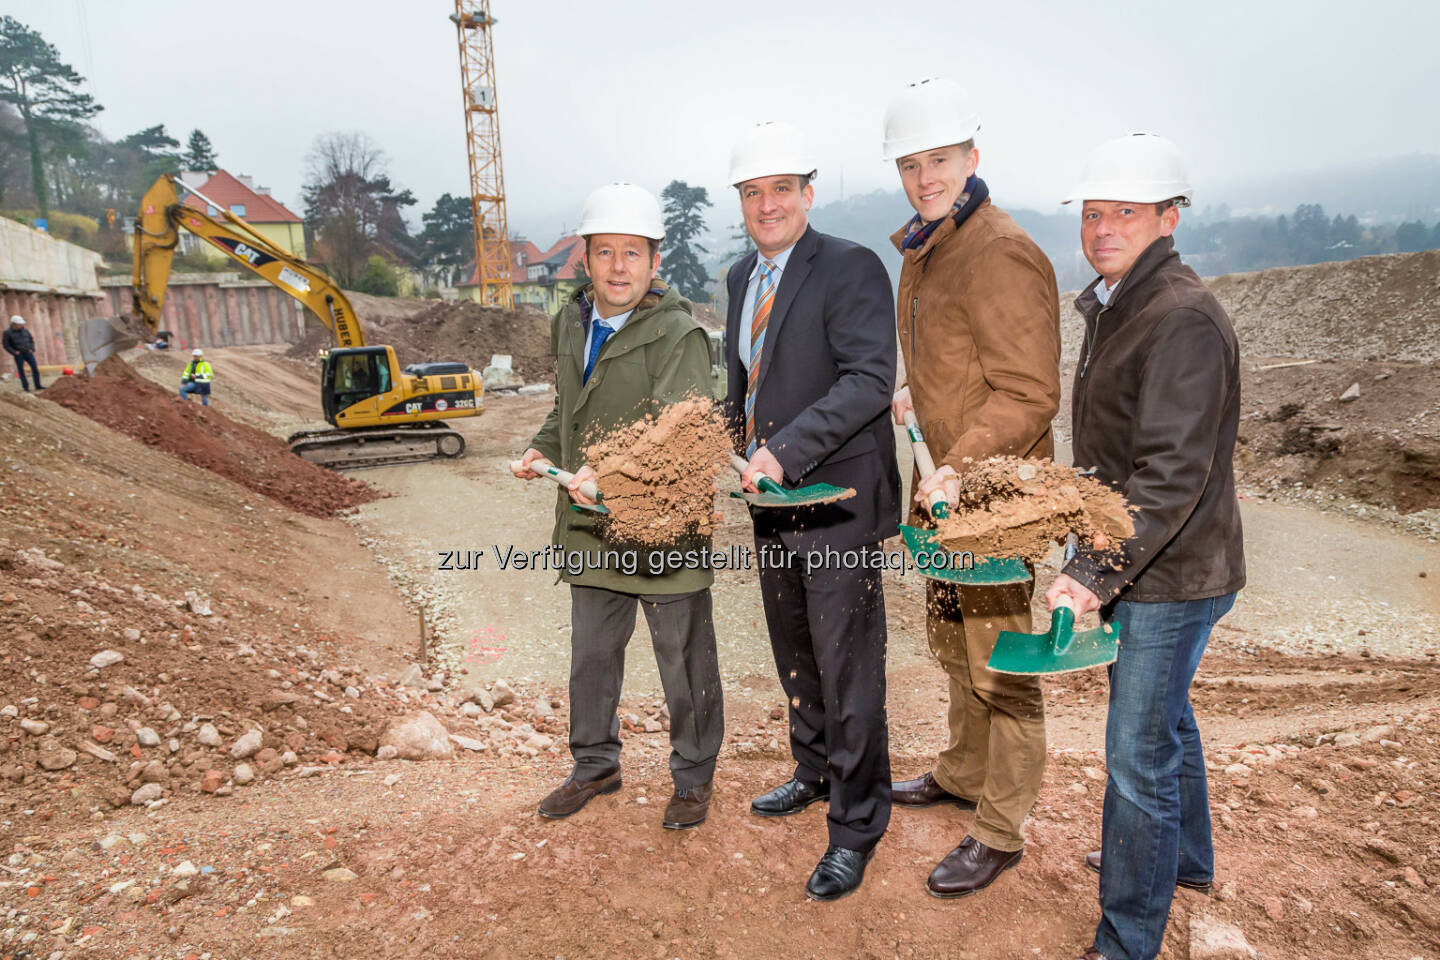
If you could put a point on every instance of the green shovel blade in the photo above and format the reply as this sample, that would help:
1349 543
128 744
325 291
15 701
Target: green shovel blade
934 561
773 495
1061 649
586 508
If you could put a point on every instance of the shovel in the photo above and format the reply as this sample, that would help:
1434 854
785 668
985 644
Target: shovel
1061 649
931 557
547 469
773 495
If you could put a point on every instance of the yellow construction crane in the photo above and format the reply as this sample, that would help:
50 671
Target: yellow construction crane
482 136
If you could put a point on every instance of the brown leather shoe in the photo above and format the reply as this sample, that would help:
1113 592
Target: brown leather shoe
925 792
573 794
688 807
1207 887
1091 954
969 868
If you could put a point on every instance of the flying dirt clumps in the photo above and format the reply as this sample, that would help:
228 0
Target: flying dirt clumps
1010 507
125 401
658 474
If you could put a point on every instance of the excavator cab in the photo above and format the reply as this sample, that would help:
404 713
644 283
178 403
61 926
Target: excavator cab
352 376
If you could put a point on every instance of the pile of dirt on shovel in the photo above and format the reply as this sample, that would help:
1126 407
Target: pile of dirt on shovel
658 474
1010 507
118 397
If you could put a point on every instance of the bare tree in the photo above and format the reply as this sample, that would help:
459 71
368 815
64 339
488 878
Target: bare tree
351 205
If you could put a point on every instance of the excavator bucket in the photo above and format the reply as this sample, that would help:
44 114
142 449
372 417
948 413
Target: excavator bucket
102 336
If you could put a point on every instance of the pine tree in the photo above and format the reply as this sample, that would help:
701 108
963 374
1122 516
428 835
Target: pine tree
199 153
680 249
45 92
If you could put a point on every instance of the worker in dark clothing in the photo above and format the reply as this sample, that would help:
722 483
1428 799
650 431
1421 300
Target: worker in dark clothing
20 344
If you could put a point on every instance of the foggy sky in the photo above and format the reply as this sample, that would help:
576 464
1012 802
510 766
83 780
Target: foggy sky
654 91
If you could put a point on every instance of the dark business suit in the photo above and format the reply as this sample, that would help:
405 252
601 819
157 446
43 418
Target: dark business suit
822 402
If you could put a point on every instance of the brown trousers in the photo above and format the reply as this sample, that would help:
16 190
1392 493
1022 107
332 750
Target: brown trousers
996 754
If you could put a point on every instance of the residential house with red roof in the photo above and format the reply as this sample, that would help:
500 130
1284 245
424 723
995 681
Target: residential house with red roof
255 205
544 279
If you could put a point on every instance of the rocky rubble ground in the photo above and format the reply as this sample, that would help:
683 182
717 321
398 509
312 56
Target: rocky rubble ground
115 695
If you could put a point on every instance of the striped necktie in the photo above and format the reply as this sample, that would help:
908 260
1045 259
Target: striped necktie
760 319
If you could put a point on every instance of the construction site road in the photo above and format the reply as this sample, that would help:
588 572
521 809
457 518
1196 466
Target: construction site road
1318 583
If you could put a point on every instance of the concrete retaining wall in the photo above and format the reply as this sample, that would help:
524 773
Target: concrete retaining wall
52 284
218 310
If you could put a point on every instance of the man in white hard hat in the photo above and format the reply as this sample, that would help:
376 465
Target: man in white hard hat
811 365
197 377
627 346
1156 409
20 344
979 325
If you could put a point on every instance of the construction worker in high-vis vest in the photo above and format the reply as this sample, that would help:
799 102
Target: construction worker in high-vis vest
197 377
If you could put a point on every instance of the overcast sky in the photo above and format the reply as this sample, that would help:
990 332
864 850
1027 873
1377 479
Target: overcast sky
654 91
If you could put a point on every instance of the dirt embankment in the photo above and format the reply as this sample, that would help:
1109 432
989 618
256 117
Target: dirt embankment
1381 447
426 330
121 399
153 619
1375 308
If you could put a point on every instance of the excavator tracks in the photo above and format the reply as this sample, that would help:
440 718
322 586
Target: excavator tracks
379 447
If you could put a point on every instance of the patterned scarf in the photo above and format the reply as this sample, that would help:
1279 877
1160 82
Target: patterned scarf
918 231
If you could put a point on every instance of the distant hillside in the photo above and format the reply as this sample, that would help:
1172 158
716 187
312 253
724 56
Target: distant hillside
1384 191
1374 308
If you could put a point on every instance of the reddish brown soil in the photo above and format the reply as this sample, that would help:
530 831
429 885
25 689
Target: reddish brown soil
121 399
1010 507
658 474
464 331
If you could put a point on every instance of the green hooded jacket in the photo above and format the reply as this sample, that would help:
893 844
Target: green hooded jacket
660 356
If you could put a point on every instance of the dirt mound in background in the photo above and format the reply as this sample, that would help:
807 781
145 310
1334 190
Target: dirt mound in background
1010 507
658 474
1375 308
426 330
123 400
1382 447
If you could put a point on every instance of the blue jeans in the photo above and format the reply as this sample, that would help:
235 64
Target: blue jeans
22 358
196 386
1156 826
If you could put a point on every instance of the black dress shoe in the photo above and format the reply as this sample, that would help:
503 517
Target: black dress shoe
1207 887
969 868
925 792
838 874
790 797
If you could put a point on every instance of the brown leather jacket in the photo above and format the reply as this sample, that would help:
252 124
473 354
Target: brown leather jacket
979 322
1156 409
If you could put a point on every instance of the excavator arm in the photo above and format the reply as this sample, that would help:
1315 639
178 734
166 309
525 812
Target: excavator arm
157 235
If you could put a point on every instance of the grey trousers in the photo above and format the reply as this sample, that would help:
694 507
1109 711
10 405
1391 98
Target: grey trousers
682 632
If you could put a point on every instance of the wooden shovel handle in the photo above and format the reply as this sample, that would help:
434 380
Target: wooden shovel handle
547 469
924 463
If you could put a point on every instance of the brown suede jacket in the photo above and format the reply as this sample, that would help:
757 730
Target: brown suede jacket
1156 410
979 323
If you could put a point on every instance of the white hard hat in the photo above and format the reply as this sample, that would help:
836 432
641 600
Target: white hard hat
197 352
622 208
1140 168
17 319
927 115
770 149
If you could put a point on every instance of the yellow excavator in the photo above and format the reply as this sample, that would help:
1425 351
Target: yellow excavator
382 413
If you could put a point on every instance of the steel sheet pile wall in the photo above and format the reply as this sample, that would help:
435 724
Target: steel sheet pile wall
52 284
218 310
